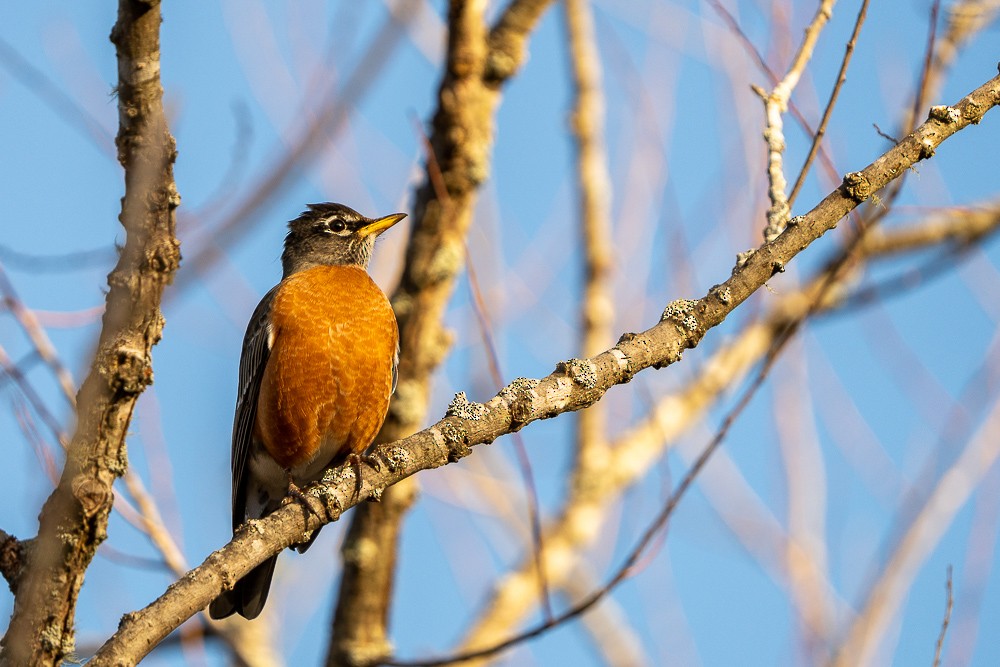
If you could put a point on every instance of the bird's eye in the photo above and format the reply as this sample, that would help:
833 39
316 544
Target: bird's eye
337 226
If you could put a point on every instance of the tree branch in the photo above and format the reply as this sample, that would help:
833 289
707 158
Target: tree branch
574 384
74 519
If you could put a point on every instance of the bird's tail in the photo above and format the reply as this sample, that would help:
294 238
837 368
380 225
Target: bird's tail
248 595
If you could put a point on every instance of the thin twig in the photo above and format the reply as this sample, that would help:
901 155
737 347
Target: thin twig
61 263
520 449
775 105
11 370
949 603
946 498
597 305
828 111
36 81
924 84
328 121
39 339
772 78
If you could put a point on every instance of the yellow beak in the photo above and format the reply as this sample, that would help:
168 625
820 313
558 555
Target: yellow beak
379 225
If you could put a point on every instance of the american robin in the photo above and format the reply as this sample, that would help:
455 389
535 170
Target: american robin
317 370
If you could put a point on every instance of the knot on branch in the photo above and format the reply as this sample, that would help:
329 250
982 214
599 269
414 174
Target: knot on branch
742 258
927 148
581 371
857 186
463 408
128 369
681 312
722 293
92 495
456 439
165 256
945 114
973 111
519 396
625 368
393 458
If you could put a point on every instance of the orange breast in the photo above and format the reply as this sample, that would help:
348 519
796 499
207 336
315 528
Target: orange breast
325 390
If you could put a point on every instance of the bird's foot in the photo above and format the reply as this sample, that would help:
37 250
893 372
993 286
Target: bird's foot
355 460
295 494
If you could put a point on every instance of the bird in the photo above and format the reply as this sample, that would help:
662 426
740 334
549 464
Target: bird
317 370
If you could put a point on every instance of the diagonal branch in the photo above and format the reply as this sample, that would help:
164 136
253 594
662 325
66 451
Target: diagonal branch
574 384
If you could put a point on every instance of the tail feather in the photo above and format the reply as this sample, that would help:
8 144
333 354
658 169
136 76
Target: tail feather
248 595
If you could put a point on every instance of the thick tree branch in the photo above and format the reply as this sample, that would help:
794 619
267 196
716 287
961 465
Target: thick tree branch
574 384
73 521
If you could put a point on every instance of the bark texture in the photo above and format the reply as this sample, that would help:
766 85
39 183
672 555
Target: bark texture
74 519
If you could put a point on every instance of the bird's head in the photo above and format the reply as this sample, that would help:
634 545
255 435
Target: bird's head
332 234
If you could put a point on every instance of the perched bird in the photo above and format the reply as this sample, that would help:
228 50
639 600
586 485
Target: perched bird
317 370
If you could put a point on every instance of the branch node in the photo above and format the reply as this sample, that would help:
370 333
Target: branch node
91 494
519 396
393 458
624 364
681 312
973 111
856 186
742 258
722 293
463 408
926 148
581 371
129 372
456 439
945 114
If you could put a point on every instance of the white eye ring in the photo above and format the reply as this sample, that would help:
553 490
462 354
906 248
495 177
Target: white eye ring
337 226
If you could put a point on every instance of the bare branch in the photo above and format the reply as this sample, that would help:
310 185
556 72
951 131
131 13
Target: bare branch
574 384
775 105
73 521
828 111
949 603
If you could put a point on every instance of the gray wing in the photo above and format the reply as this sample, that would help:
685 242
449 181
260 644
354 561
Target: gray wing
256 349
